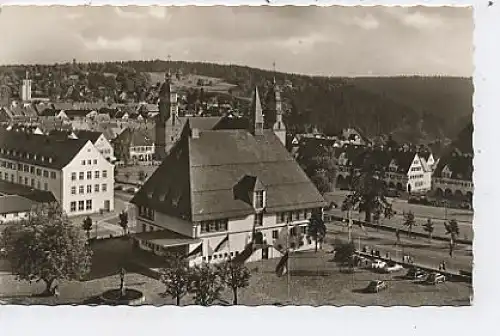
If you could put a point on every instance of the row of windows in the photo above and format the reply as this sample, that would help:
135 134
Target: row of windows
82 205
147 213
219 225
81 175
88 162
25 155
416 169
419 184
290 216
81 188
28 169
457 183
142 149
25 180
105 151
413 177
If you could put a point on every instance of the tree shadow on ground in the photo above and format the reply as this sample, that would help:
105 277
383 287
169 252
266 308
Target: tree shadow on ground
306 273
360 290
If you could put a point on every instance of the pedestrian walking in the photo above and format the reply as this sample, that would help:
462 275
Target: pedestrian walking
444 266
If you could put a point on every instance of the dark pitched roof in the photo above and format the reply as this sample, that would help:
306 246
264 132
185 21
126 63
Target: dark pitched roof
39 196
88 135
198 177
14 203
31 148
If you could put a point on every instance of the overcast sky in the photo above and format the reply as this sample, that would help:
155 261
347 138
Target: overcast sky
336 41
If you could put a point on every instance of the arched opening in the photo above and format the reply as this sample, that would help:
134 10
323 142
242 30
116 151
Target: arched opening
439 193
409 188
392 185
399 186
259 238
459 195
469 196
448 193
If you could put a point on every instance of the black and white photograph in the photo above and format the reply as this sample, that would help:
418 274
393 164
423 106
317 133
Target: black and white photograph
220 156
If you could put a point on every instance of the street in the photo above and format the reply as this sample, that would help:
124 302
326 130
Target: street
425 252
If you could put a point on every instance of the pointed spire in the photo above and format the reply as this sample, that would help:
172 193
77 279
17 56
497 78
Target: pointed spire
257 118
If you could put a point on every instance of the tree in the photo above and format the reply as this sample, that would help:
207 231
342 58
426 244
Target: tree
123 221
344 253
206 285
235 276
142 175
429 228
368 187
409 221
47 247
453 230
87 226
176 277
316 229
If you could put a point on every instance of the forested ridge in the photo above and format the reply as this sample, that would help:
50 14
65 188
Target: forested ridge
410 108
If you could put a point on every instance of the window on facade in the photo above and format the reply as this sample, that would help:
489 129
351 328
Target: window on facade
26 168
89 175
88 205
288 216
20 179
38 185
218 225
38 172
104 187
80 189
297 215
32 169
73 206
80 205
73 176
45 173
45 186
303 229
89 162
258 219
83 162
259 199
275 234
104 173
146 213
293 231
12 177
53 175
81 175
89 188
96 174
96 188
6 176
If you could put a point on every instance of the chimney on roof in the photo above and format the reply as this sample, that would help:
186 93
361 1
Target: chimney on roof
256 116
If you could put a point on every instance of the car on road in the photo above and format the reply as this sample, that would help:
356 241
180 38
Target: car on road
435 278
392 268
416 274
376 286
378 264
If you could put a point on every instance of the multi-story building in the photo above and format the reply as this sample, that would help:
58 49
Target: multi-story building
76 173
216 186
14 207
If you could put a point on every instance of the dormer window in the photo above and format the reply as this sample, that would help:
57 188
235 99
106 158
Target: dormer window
259 199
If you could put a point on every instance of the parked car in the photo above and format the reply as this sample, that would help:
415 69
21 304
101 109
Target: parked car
416 274
435 278
376 286
391 268
378 264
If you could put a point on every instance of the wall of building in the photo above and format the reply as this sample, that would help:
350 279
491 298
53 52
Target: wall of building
452 187
37 177
418 179
10 217
94 162
105 148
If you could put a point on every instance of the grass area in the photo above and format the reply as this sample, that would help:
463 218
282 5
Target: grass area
314 281
133 172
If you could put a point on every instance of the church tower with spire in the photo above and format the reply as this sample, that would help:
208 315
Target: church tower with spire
256 115
274 113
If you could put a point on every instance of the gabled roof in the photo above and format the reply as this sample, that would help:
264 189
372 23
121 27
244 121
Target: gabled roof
88 135
198 177
35 195
15 204
24 147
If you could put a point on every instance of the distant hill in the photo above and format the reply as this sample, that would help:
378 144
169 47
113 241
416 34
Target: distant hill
416 109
